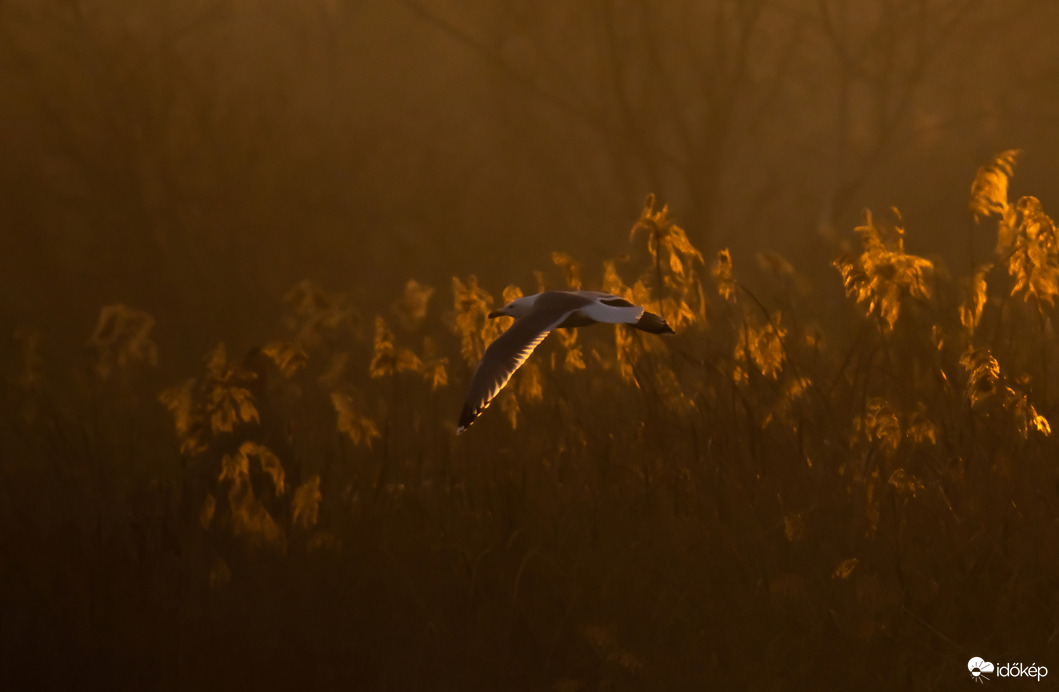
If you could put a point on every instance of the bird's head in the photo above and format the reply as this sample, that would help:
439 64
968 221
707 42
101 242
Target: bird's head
516 308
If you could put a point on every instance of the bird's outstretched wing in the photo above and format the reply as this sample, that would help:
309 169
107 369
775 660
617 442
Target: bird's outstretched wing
503 357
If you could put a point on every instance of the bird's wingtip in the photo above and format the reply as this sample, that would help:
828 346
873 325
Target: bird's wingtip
655 324
467 416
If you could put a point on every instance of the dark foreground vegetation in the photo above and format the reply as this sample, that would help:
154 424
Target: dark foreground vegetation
798 489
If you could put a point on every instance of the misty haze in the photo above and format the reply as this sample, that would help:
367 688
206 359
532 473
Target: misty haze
253 252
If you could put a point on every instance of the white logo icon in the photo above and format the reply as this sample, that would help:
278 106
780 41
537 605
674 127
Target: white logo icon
979 668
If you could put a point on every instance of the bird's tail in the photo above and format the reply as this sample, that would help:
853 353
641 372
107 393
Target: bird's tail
655 324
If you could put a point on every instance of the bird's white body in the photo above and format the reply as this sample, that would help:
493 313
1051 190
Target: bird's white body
577 308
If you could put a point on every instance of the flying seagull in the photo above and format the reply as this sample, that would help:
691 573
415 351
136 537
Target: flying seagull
536 316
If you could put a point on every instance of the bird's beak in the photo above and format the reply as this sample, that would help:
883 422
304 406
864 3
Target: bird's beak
495 313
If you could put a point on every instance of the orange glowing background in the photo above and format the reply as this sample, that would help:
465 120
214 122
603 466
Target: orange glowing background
250 248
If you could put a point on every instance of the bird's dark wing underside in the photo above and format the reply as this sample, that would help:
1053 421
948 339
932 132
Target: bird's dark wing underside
616 302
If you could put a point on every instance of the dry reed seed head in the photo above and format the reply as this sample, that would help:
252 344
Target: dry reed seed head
315 314
309 299
306 297
987 391
219 369
653 223
1034 261
775 264
879 424
919 428
337 368
468 296
435 368
570 268
384 352
530 385
937 336
672 393
305 506
195 442
234 466
797 387
767 350
237 465
411 308
510 407
641 294
971 309
491 329
682 253
882 424
793 392
989 191
249 516
612 282
905 483
567 337
181 404
683 301
869 233
604 363
1007 230
360 429
217 363
122 336
680 296
1028 420
388 358
269 463
227 402
845 568
681 307
511 292
983 375
884 273
628 350
288 356
538 276
189 416
761 347
228 406
575 359
724 276
473 325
